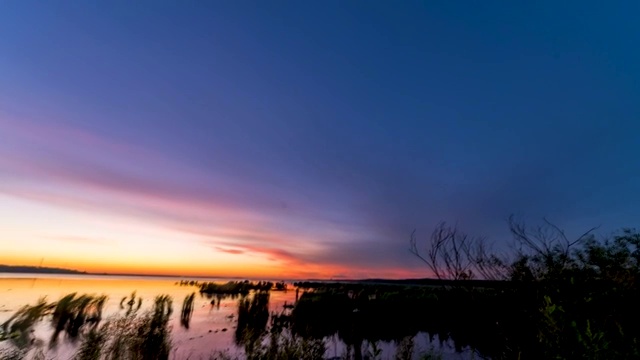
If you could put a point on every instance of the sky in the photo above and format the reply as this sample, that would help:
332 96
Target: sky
298 139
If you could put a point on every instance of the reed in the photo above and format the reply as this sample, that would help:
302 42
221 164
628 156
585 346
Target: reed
187 310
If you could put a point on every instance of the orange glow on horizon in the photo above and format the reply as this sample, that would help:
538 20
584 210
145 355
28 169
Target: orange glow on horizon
36 232
207 270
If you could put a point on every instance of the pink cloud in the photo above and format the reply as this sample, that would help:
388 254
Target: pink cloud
69 139
76 169
229 251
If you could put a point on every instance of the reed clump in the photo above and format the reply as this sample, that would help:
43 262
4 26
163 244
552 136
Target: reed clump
130 335
187 310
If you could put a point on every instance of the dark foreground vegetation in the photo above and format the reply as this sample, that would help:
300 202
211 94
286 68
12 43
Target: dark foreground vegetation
78 319
553 298
556 297
145 335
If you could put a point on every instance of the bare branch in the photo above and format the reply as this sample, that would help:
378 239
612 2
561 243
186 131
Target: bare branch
546 249
447 253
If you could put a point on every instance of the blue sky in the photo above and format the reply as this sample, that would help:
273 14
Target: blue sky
315 134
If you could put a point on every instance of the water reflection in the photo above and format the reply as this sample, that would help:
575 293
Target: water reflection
253 316
209 327
262 323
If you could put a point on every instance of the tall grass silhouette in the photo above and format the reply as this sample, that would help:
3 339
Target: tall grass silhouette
187 310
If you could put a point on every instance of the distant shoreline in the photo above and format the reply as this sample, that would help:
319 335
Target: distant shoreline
23 269
11 269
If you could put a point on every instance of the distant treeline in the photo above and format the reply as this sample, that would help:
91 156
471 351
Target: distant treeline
37 270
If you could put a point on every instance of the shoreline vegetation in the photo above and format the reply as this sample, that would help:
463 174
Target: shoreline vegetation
552 298
240 287
24 269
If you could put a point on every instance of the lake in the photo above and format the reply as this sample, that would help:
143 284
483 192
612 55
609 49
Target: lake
211 327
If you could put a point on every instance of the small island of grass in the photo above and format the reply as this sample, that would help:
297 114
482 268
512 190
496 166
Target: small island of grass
240 287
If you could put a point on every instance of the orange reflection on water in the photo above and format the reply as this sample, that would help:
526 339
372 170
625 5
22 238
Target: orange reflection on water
204 335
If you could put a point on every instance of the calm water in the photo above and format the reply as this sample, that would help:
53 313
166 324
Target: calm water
207 328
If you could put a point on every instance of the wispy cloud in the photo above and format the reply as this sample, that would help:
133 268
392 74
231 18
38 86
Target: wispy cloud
230 251
75 169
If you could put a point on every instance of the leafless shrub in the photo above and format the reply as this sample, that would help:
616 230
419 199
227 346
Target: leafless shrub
454 255
544 250
446 253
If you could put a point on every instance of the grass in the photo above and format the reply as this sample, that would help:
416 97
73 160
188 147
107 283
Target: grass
18 328
73 314
136 335
239 287
279 344
130 335
187 310
253 316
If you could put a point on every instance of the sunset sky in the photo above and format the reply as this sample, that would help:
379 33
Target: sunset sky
300 139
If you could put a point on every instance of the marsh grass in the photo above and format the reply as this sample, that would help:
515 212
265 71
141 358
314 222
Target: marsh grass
132 336
12 354
137 335
236 287
74 314
253 316
279 344
130 305
129 336
92 345
187 310
405 348
17 328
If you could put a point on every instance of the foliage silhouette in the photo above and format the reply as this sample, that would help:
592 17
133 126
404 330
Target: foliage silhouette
187 310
